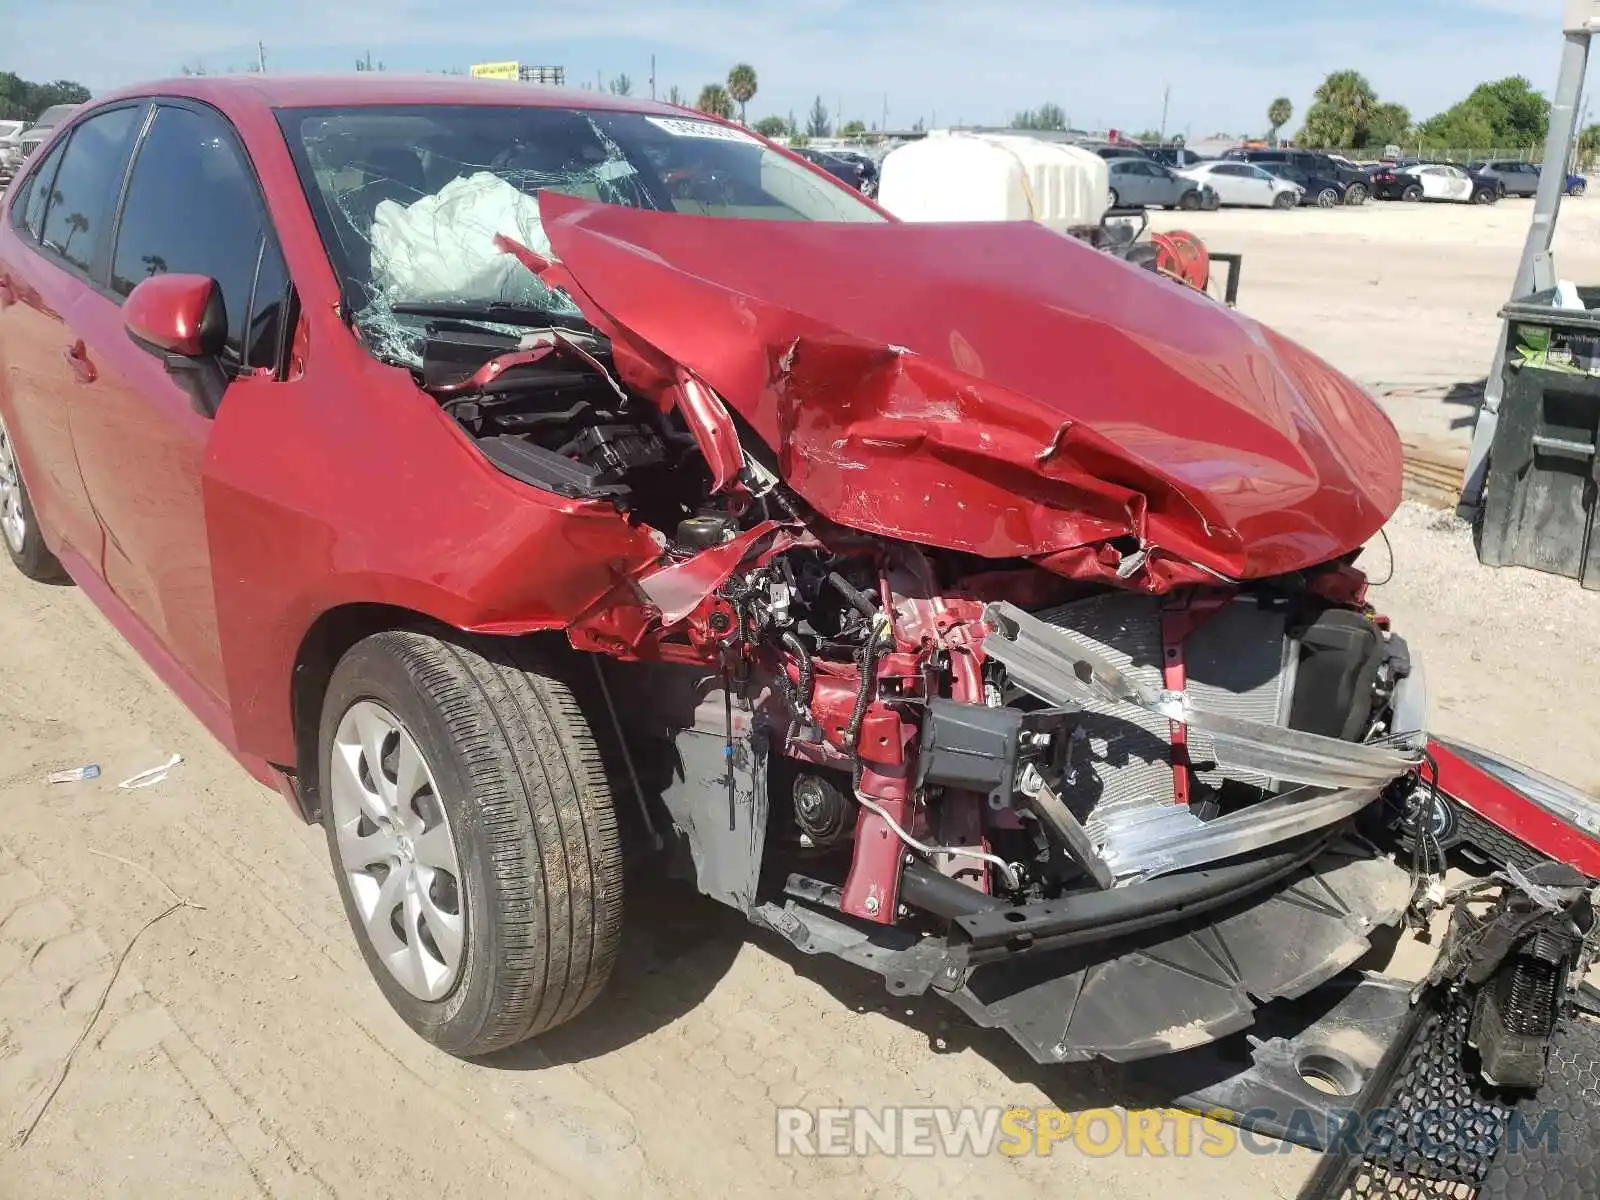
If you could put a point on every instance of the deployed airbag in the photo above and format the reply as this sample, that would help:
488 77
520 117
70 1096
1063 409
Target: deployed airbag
443 246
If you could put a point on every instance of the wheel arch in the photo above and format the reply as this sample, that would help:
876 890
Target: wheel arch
327 640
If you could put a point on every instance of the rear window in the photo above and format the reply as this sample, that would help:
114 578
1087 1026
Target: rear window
81 202
27 206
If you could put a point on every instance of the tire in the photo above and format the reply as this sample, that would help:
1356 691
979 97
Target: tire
1578 189
1411 194
1328 198
1211 202
19 527
1285 200
509 791
1190 200
1485 196
1355 195
1113 200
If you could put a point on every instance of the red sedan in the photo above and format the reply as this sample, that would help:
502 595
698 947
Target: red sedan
516 479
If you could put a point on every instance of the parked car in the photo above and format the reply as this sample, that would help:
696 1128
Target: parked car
1353 178
836 165
866 165
1143 183
1178 157
642 531
32 137
1436 181
1322 190
1515 178
1242 183
10 146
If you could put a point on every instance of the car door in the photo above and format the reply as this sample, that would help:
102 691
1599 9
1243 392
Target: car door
56 232
1133 181
1458 185
1226 178
1258 187
192 206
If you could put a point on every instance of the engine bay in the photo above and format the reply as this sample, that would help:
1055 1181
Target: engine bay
925 735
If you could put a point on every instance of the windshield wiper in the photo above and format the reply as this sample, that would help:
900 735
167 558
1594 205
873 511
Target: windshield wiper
503 312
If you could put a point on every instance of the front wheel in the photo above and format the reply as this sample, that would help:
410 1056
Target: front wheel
472 831
19 527
1412 194
1355 195
1112 199
1578 188
1484 196
1328 198
1285 200
1189 201
1210 201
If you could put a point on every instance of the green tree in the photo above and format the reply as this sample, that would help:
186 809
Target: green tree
1279 113
818 123
1046 116
1340 111
742 86
853 129
1148 135
772 127
1507 112
621 85
1589 145
1390 124
23 100
714 99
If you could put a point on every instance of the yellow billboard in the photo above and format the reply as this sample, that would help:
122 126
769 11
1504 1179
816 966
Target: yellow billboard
496 70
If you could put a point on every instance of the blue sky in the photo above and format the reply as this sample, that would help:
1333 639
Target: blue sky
1105 61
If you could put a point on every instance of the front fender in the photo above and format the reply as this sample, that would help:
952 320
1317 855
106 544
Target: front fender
317 497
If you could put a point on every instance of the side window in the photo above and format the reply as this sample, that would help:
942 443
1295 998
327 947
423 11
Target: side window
27 209
193 208
80 205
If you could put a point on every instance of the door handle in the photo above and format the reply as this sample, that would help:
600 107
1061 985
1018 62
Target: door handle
77 356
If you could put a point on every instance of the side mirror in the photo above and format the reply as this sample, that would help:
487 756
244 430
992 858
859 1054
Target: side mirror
178 314
182 318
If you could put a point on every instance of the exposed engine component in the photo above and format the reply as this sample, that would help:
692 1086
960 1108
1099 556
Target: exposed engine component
823 814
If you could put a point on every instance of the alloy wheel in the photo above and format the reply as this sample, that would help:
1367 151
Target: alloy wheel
13 522
1327 198
397 851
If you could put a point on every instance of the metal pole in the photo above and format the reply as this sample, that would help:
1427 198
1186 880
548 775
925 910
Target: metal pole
652 77
1166 95
261 57
1537 270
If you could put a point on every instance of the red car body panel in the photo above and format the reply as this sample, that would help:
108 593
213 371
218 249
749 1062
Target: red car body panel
1000 389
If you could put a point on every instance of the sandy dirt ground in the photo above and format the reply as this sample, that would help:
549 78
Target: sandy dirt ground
1402 297
244 1052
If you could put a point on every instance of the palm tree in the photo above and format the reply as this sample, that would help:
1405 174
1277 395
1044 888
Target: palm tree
742 86
714 99
1341 110
1279 113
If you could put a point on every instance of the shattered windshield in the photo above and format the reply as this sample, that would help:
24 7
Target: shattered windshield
410 199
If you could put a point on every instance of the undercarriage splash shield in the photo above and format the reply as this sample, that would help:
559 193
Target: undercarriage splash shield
1183 985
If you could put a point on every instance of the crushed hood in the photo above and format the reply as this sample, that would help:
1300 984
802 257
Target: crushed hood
1000 389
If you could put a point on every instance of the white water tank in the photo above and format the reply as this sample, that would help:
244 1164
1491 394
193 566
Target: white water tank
952 175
